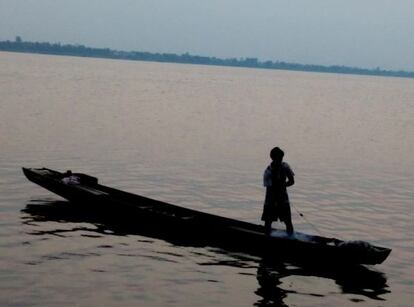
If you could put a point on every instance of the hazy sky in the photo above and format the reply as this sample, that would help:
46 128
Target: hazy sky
363 33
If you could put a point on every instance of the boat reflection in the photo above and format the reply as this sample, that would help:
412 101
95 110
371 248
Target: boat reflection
358 280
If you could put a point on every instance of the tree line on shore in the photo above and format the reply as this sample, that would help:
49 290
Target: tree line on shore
18 45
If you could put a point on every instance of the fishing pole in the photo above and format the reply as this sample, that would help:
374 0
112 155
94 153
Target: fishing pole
306 220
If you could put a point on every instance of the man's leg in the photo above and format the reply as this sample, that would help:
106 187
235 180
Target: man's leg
268 227
289 227
288 221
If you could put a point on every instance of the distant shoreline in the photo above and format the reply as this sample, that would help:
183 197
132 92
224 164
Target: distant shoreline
82 51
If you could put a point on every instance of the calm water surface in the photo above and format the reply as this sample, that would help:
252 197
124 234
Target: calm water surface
199 137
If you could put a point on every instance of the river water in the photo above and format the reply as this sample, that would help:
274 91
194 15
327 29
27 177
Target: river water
199 137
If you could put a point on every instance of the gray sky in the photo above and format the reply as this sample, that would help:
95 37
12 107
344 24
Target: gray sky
362 33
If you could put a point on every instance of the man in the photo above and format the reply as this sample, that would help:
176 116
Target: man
276 178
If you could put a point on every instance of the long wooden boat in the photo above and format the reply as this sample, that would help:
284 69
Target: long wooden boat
208 229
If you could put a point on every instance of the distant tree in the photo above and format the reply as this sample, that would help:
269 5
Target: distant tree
268 64
80 50
251 62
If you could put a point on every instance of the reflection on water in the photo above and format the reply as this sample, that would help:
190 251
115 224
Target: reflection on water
357 280
271 273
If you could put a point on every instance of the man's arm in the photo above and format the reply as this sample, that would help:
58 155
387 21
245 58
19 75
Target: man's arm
290 180
290 175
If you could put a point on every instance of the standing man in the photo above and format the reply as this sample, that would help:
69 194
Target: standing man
276 178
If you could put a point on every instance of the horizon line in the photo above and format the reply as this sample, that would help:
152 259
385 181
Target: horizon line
18 45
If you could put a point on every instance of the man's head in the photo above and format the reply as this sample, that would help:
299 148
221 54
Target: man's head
276 154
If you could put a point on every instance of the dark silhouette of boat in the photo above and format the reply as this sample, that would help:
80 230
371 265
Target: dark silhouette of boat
206 229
